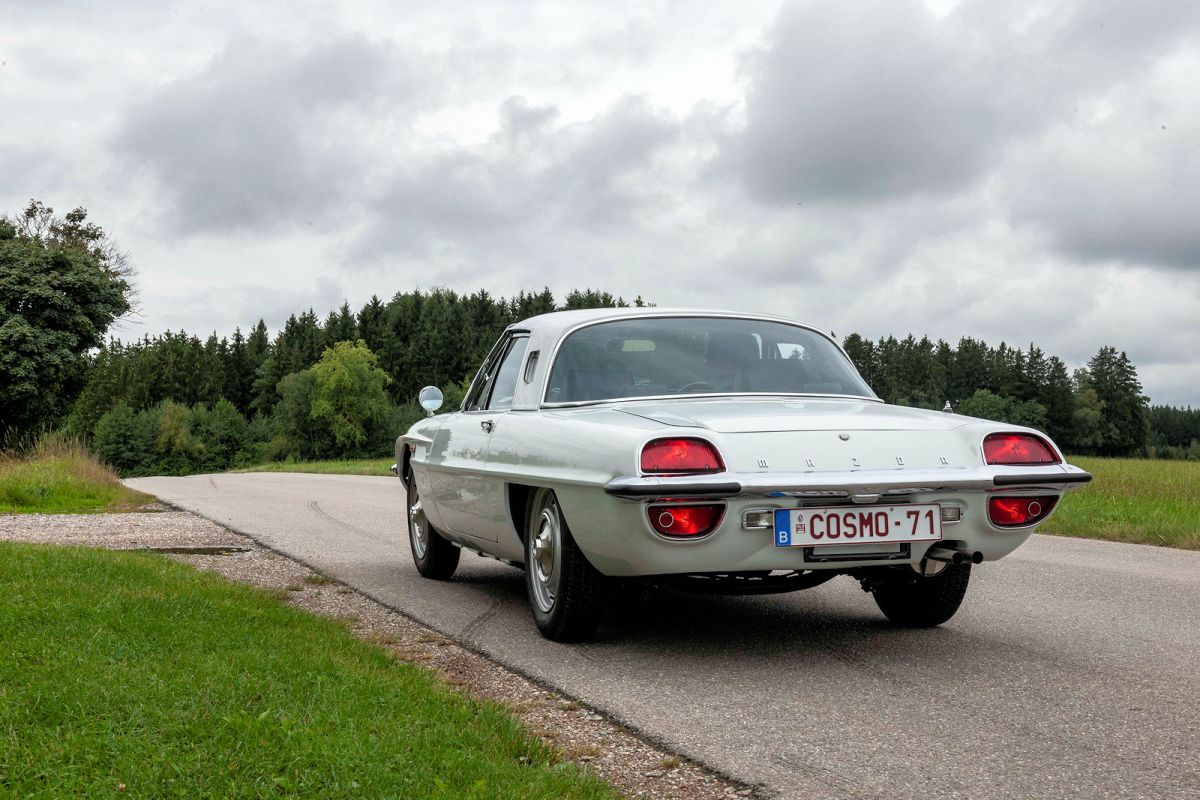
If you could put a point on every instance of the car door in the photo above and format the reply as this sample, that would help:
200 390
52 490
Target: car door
466 499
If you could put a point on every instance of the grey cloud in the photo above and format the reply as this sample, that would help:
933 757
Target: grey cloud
532 176
258 139
871 101
1099 204
198 310
853 101
870 105
519 119
1118 185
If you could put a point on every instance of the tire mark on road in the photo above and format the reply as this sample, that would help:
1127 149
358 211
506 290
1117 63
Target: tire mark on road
312 506
492 610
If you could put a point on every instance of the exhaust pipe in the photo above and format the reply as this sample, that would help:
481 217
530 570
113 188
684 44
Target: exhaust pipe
950 556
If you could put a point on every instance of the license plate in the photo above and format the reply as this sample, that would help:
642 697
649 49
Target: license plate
843 525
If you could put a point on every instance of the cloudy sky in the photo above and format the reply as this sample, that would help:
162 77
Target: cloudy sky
1014 171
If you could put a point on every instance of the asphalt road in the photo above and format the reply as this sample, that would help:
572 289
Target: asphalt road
1073 669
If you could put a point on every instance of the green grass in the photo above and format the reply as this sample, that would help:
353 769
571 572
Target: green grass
59 478
127 668
1135 500
365 466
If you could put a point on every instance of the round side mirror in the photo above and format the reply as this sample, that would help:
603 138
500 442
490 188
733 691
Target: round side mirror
430 399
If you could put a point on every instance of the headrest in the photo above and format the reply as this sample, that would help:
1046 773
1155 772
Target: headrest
737 348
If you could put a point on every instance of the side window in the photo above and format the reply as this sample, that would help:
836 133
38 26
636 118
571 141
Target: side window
504 384
483 384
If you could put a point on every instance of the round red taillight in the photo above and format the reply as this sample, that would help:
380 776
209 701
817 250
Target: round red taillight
1013 512
680 457
685 521
1018 449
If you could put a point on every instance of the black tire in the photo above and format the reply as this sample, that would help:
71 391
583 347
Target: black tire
435 557
571 610
920 602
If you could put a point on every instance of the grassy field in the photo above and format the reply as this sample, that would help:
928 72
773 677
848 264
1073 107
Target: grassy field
131 673
1133 500
62 477
366 466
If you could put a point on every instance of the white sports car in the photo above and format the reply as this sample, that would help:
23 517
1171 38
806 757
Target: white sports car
721 452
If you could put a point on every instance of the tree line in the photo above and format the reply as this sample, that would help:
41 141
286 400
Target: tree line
385 351
343 385
1096 409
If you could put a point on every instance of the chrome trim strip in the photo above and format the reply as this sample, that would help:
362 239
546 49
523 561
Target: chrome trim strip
708 396
417 439
1036 480
843 484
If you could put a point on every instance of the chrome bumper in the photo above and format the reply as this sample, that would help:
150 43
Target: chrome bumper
1058 477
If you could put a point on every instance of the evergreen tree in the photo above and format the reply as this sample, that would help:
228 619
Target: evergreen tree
1057 395
1124 418
372 324
239 376
862 352
341 326
970 370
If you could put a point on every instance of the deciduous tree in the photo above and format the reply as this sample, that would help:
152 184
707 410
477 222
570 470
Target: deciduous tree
58 296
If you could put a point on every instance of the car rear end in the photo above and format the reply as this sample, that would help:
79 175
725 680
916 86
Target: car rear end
701 501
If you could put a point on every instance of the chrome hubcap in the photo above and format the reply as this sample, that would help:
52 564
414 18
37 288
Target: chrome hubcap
545 561
418 527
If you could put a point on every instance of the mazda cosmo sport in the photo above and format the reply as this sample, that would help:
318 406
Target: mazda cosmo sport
719 452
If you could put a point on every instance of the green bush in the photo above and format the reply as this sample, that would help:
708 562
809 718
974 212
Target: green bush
124 439
222 432
292 419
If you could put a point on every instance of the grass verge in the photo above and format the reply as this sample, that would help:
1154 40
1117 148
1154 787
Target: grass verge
365 466
1136 500
130 672
62 477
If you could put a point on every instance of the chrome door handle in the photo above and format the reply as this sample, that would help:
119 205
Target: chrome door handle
487 425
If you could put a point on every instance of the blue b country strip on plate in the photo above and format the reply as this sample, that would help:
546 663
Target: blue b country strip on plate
783 528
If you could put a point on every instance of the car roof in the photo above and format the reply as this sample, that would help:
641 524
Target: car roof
556 323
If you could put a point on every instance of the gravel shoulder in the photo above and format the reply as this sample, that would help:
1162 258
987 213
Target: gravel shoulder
638 768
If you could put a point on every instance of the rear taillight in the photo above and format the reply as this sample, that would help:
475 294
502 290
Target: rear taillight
1013 512
680 457
1018 449
685 521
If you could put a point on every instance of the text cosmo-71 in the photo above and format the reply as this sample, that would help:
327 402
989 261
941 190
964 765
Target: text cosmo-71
719 452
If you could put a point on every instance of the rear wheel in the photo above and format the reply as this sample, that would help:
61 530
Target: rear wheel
434 556
920 602
565 591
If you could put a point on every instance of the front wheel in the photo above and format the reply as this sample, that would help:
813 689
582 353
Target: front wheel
565 591
924 602
434 556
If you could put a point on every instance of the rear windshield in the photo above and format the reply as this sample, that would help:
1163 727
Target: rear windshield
696 356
